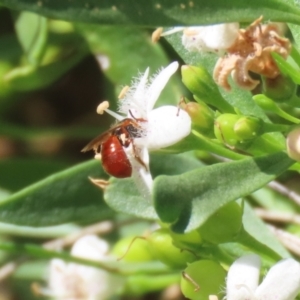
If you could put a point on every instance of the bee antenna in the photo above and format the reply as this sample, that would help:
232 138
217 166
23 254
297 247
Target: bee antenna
132 115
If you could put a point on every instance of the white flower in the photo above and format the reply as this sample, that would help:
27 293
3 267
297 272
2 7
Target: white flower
70 281
210 38
282 282
161 127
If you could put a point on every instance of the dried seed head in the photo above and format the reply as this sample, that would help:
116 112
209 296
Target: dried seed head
251 52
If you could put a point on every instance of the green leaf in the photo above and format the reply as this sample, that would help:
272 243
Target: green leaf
123 196
22 133
64 197
32 30
160 13
188 200
13 178
286 68
29 77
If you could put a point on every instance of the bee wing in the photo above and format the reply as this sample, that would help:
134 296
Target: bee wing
97 141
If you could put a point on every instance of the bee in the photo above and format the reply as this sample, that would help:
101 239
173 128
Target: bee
111 144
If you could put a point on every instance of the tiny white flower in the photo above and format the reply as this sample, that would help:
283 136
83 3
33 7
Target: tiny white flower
210 38
282 282
70 281
161 127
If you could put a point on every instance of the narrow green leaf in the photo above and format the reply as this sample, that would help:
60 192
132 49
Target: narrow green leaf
160 13
153 267
188 200
64 197
257 229
13 178
50 232
286 68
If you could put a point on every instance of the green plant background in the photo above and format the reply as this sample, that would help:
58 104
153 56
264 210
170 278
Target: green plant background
59 59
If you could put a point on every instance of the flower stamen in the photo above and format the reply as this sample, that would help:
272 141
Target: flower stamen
123 92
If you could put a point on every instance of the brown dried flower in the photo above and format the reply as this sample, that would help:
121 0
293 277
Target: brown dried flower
251 52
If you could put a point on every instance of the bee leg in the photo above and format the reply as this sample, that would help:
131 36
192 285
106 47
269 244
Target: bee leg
137 157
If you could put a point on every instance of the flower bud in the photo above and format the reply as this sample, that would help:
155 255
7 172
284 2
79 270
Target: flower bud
163 249
293 144
268 104
132 249
224 129
265 103
202 117
214 229
201 279
201 84
248 127
280 89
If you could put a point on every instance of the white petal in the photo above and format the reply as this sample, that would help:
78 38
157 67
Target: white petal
141 172
95 284
74 281
159 83
141 85
135 98
242 278
282 282
167 126
221 36
210 38
90 247
58 277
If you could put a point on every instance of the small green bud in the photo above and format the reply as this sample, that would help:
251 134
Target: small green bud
202 117
224 225
265 103
224 129
293 144
201 279
268 104
190 240
202 85
280 89
132 249
247 128
163 249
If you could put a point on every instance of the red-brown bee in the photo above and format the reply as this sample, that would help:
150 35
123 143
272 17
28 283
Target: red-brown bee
111 143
